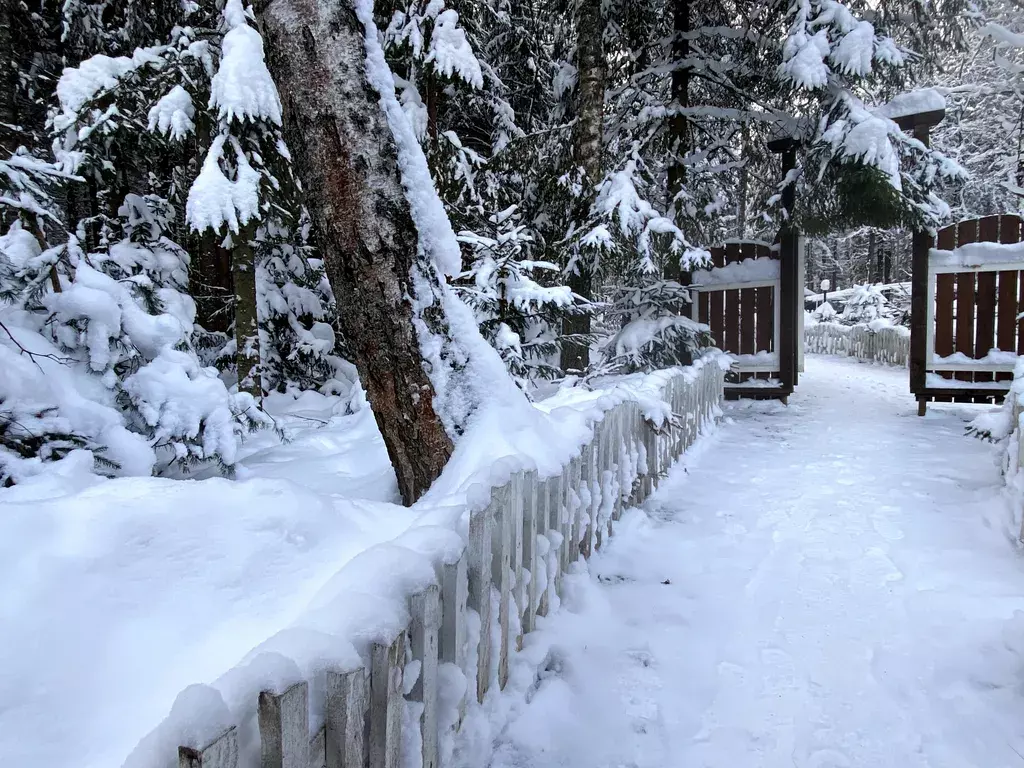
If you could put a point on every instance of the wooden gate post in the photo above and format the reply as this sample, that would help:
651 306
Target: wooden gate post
789 255
920 123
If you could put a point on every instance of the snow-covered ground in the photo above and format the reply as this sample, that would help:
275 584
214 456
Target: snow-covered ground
116 594
828 585
137 612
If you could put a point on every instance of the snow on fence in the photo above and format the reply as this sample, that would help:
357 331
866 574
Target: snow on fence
887 344
413 694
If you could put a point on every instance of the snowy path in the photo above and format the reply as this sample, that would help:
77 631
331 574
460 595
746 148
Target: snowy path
820 587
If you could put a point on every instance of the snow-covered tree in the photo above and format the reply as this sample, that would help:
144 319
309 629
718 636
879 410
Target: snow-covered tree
516 310
865 305
451 61
985 111
825 313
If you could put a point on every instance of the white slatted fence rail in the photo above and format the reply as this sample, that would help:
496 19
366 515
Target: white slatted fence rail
886 345
519 547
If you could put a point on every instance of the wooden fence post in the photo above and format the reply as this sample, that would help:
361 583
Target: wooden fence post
222 752
454 599
386 702
587 513
529 560
479 577
284 728
501 572
345 717
555 513
566 520
426 621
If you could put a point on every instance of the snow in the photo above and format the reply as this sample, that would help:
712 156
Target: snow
762 358
173 114
45 394
867 137
746 271
913 102
936 381
79 85
828 584
1002 35
972 255
185 598
243 89
638 333
450 51
992 357
437 239
214 200
120 593
854 53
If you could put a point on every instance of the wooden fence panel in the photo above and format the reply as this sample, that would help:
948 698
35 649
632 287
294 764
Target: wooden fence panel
716 303
944 293
765 307
426 623
1007 335
732 304
966 232
284 728
1010 233
985 329
748 307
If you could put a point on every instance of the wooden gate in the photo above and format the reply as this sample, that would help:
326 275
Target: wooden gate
742 297
973 287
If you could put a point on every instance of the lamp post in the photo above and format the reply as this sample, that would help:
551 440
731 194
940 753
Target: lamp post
825 285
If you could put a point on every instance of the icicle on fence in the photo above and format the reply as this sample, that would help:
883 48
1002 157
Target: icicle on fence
889 345
520 546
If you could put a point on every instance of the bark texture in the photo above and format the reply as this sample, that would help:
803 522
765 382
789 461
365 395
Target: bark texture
587 149
247 337
346 158
679 127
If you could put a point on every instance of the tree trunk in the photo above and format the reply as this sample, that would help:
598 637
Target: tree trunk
8 79
875 254
347 160
587 149
679 127
744 183
247 335
210 282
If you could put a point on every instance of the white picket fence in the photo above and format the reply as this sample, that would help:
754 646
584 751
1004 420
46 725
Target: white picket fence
520 546
889 345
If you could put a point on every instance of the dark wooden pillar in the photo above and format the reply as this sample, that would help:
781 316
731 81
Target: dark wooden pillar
789 256
921 243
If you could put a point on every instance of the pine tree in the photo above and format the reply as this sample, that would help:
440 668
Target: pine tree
865 305
516 312
985 116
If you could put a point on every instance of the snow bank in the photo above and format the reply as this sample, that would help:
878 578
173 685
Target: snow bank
121 593
1004 427
157 609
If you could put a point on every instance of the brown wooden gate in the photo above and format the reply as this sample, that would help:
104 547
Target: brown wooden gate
741 298
967 329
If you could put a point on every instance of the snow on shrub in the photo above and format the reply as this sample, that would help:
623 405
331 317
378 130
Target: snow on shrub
97 354
865 305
